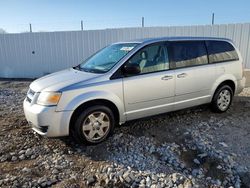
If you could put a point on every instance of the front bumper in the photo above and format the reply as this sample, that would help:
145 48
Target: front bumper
46 120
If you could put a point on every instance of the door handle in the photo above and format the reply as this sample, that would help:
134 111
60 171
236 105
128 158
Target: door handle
182 75
167 77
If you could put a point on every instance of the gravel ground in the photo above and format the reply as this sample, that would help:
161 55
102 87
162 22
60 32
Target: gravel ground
188 148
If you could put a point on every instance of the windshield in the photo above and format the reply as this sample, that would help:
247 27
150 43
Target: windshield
106 58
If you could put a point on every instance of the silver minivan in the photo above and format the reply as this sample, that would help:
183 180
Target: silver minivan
131 80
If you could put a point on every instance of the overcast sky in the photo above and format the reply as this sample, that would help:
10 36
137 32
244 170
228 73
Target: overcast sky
53 15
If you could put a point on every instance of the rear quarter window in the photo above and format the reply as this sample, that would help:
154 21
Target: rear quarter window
221 51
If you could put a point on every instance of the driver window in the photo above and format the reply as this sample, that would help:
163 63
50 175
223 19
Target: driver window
151 58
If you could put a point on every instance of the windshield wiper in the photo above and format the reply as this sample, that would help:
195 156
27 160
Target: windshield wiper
93 71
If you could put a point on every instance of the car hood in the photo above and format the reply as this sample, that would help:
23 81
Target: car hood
61 79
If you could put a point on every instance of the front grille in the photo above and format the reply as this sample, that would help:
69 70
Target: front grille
30 95
28 99
32 92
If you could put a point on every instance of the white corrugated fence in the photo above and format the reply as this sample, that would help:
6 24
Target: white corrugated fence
30 55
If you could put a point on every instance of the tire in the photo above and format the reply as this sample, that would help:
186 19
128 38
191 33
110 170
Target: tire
222 99
94 125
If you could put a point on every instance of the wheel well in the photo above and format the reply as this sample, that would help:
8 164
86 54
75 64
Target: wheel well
85 105
229 83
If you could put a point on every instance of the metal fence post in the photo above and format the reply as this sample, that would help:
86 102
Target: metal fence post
142 21
81 25
30 28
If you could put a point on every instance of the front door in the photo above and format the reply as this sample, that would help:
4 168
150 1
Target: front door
152 91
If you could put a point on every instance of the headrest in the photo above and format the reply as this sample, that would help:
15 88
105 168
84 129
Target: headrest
144 55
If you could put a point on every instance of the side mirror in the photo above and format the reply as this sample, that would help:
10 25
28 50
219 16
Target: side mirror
131 69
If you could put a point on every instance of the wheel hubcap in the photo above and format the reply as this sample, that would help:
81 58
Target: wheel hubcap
96 126
224 99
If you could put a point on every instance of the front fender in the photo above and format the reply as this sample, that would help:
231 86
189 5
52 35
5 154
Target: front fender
89 96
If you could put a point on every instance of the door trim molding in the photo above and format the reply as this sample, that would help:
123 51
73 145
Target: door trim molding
164 105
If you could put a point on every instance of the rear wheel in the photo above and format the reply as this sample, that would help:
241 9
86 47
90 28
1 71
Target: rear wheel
94 125
222 99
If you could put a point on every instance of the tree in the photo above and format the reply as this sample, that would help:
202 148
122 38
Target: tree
2 31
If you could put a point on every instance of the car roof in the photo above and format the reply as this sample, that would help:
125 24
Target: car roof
181 38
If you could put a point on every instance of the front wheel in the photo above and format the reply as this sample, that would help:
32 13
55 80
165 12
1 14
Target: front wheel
94 125
222 99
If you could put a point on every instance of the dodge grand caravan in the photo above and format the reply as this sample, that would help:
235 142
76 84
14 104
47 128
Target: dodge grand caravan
130 80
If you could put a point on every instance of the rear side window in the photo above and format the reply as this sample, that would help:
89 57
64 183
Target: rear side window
220 51
188 53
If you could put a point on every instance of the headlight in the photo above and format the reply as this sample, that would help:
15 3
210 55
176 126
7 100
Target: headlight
48 98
